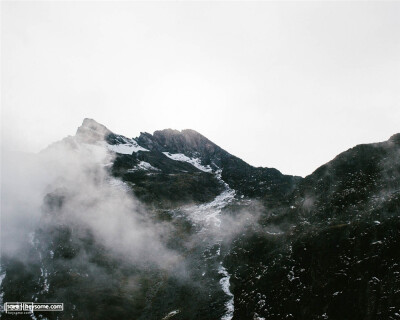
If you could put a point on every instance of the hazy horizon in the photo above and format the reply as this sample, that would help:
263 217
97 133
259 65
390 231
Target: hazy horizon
287 85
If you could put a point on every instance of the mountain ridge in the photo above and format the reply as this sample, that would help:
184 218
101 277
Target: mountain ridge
245 179
147 138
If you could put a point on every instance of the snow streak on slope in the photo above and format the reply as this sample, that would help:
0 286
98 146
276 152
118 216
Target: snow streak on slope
171 314
128 147
208 216
195 162
225 287
2 276
143 165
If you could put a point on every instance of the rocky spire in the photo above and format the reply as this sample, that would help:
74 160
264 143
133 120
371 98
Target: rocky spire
91 131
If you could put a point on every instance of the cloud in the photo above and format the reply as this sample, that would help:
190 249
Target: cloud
72 177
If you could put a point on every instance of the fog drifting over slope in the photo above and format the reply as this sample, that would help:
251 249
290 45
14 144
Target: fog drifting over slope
91 198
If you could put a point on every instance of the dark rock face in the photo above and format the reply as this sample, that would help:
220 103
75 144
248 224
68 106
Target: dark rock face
244 178
174 141
335 272
336 255
321 247
174 183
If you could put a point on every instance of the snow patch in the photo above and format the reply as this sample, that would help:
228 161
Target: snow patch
209 213
126 148
226 288
2 276
143 165
195 162
44 275
171 314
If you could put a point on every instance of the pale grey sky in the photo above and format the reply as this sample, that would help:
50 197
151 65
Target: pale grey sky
280 84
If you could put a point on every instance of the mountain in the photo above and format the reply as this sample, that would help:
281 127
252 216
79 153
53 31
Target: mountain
171 226
244 178
182 166
336 254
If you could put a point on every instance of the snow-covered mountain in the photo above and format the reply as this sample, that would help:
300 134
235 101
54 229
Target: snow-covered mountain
171 226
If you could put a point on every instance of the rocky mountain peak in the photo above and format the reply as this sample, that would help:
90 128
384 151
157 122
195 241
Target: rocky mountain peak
91 131
187 141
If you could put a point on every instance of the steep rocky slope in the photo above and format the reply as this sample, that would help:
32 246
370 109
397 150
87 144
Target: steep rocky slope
336 253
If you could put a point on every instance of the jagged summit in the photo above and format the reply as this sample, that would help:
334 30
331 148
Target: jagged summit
172 151
91 131
186 141
167 140
93 125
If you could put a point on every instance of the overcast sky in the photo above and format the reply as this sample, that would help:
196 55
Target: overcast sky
280 84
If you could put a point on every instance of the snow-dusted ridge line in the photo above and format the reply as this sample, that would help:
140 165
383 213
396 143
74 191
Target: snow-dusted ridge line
195 162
